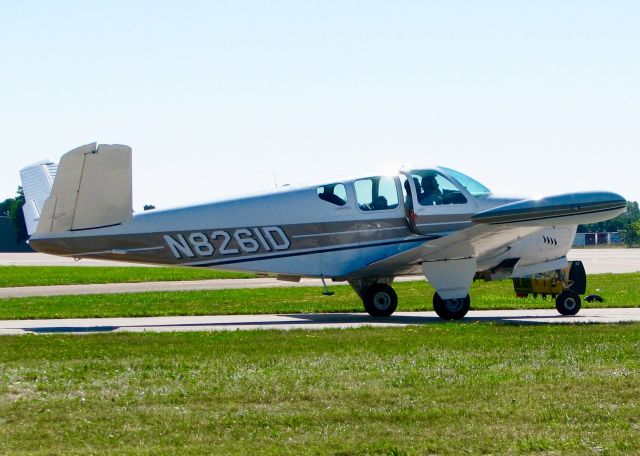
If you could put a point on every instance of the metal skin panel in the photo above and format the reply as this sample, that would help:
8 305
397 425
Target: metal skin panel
329 248
58 211
104 194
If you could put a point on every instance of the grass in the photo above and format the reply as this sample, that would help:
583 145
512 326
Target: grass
23 276
619 290
438 389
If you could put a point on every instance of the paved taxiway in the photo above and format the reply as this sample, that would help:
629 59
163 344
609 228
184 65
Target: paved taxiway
600 261
304 321
42 259
596 261
183 285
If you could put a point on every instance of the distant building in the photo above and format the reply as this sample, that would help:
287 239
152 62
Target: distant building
8 238
588 239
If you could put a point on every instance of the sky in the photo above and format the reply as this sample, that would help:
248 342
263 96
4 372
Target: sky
219 98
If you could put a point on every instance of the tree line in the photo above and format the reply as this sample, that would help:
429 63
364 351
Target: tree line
627 224
12 208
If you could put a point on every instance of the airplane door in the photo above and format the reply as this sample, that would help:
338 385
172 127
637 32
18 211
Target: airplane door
381 220
436 204
334 232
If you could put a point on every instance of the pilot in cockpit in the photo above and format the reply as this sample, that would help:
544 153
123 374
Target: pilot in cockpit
431 193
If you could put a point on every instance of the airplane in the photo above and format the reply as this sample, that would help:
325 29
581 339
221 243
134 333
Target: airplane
365 230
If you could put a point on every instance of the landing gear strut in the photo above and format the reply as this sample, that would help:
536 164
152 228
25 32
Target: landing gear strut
451 309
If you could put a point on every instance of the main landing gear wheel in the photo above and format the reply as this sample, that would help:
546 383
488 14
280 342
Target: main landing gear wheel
568 303
451 309
380 300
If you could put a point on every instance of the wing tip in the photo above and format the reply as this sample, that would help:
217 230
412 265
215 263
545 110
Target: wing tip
592 205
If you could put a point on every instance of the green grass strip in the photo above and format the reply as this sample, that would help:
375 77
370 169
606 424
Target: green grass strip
437 389
619 290
23 276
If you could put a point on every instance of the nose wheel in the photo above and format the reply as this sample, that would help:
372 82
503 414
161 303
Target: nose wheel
451 309
568 303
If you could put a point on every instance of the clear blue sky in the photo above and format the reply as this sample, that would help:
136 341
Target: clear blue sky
530 98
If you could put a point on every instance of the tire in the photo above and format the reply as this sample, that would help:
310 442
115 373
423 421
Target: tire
380 300
451 309
568 303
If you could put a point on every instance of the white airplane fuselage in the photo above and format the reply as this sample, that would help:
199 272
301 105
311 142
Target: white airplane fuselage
291 232
366 230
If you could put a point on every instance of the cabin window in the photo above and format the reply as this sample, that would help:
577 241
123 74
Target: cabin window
376 193
333 193
433 189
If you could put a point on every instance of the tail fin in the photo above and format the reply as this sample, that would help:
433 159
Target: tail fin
37 180
92 189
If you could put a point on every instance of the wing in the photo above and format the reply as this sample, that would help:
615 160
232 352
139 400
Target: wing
495 230
476 241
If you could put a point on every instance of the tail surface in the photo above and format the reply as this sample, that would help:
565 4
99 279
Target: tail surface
37 180
91 189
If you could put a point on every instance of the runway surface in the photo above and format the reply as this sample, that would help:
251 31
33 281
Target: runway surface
304 321
600 261
184 285
42 259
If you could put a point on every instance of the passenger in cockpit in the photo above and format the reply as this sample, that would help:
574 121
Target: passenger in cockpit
379 203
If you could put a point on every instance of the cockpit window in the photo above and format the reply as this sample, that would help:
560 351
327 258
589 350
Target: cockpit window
433 189
473 186
376 193
333 193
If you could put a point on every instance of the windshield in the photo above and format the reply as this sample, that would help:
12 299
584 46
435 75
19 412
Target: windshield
473 186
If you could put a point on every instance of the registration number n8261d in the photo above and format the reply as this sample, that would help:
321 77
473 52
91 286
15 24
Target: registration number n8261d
227 242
